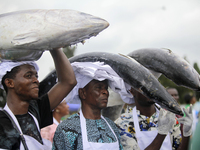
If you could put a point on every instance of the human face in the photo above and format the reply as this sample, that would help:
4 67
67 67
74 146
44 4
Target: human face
64 108
193 100
97 94
26 84
174 94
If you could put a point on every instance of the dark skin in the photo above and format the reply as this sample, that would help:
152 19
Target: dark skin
147 108
174 93
24 87
94 97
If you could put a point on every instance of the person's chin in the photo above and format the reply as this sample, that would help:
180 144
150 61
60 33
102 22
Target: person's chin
151 102
104 106
35 96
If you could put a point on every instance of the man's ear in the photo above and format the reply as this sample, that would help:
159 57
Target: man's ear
132 90
82 93
9 83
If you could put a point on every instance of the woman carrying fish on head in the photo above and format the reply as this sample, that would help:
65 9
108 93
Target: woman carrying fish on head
25 113
88 129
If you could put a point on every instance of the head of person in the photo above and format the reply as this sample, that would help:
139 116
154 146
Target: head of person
62 109
95 94
140 99
174 93
93 80
21 77
190 98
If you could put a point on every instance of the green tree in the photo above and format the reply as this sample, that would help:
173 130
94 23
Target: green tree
196 67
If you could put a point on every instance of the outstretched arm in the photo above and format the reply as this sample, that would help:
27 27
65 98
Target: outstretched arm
65 75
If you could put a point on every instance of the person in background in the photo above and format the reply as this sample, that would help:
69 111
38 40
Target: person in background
60 111
88 129
174 93
148 126
190 99
25 113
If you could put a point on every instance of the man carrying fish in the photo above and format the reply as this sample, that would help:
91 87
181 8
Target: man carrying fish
25 114
88 129
147 126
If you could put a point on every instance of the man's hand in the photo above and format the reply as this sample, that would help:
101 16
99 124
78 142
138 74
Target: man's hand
166 120
187 121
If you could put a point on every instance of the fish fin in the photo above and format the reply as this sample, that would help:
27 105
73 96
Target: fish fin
127 56
26 38
170 51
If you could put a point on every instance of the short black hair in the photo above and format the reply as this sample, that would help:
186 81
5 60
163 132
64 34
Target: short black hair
11 75
188 97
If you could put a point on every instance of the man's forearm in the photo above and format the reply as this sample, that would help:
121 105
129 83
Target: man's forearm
65 75
184 143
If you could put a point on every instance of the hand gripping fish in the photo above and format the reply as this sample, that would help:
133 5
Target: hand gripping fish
169 64
24 35
132 73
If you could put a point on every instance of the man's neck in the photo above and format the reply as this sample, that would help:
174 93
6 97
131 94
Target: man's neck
17 106
90 113
147 111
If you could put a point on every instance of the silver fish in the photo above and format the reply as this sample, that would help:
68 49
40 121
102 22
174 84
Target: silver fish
39 30
169 64
132 73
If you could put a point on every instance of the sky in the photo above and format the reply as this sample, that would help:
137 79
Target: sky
134 24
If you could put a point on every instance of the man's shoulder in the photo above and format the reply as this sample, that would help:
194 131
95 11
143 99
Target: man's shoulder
124 120
8 134
125 116
4 119
72 122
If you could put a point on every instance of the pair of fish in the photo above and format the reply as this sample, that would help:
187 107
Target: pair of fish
24 35
132 72
137 73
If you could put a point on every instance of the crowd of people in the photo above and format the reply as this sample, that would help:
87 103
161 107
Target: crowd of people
32 122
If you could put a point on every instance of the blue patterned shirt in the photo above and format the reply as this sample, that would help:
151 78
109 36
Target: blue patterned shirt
68 133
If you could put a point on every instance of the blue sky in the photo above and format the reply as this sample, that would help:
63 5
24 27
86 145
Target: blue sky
134 24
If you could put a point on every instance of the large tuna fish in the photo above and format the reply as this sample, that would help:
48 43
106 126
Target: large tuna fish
132 72
24 32
169 64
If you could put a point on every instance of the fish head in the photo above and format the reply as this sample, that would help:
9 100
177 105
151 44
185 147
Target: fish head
164 99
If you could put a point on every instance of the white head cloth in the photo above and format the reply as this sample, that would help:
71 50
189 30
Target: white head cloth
8 65
87 71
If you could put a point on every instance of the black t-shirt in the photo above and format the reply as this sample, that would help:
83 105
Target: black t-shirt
9 137
29 127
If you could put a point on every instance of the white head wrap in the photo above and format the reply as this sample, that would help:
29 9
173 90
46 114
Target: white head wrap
87 71
8 65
